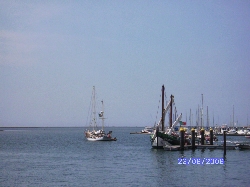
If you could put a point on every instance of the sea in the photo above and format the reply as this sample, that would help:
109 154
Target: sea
63 157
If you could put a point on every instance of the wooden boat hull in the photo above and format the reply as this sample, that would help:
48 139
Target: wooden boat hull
244 146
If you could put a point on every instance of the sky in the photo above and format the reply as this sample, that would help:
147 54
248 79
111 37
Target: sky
52 53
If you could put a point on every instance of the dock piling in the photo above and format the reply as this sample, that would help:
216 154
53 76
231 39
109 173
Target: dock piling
202 136
193 138
225 142
211 136
182 141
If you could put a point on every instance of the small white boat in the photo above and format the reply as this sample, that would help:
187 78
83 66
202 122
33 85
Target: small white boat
232 131
241 132
148 130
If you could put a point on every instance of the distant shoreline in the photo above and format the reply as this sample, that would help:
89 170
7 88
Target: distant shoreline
77 127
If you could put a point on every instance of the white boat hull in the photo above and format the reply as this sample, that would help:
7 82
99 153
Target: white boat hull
99 136
160 143
95 139
105 138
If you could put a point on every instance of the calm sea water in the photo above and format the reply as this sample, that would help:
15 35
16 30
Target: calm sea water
62 157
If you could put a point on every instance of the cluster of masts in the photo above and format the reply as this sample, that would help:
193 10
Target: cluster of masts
201 119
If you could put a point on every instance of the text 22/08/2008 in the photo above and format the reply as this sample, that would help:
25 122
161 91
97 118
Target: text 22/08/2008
200 161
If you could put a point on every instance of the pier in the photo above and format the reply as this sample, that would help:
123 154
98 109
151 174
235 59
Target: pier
141 133
202 145
187 147
231 134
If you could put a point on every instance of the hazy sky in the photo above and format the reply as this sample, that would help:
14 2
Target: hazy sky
53 52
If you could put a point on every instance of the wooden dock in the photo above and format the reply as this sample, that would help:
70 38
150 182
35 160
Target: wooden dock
141 133
202 143
186 147
231 134
176 147
228 147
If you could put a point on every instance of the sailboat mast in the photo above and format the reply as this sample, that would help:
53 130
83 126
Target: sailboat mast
190 124
201 110
213 119
175 111
247 120
207 118
94 109
171 111
162 114
198 117
233 116
102 115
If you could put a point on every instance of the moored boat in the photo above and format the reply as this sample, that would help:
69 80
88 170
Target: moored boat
241 131
97 135
243 146
166 136
148 130
232 131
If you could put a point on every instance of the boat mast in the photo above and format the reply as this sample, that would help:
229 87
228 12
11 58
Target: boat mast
213 119
175 113
190 124
233 116
198 118
102 115
192 119
201 111
207 118
247 120
162 114
171 111
94 109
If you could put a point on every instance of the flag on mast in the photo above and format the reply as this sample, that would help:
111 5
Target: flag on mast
183 123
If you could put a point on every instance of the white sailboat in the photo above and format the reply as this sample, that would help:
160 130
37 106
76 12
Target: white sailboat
97 135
